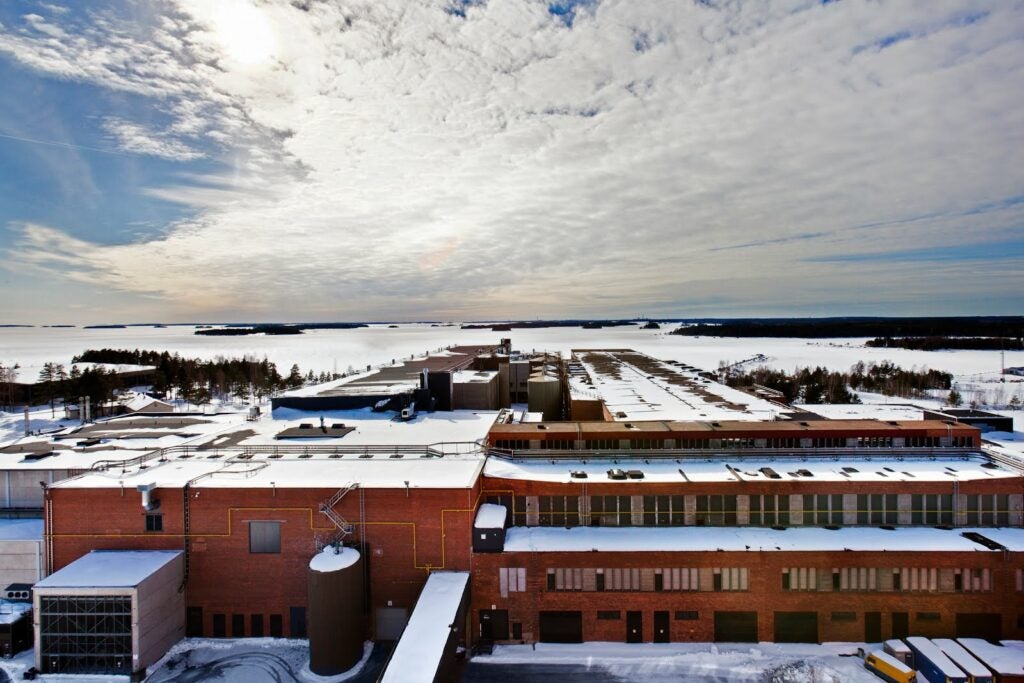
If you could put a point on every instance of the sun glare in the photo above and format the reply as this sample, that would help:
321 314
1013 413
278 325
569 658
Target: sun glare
243 31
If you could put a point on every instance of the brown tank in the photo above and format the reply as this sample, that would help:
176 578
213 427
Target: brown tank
335 611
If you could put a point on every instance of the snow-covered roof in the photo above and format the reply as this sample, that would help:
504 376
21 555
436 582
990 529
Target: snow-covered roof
11 611
21 529
331 559
637 387
1010 538
473 376
897 645
721 468
935 656
418 653
1001 659
110 569
140 401
892 661
961 657
866 411
381 470
705 539
490 516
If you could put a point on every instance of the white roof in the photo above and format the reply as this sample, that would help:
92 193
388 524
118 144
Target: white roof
715 468
961 657
140 401
930 650
331 559
291 471
21 529
490 516
11 611
110 569
705 539
897 645
419 651
1003 660
866 411
473 376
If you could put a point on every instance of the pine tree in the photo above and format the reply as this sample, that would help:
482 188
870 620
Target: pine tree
954 398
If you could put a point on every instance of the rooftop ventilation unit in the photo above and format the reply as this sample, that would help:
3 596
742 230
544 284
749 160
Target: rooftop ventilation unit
770 473
635 474
306 425
983 540
578 474
617 474
805 473
851 470
148 502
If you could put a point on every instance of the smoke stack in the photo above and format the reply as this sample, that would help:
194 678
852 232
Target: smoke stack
27 429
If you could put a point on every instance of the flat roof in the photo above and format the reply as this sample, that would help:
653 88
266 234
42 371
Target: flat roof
110 569
419 650
737 539
961 657
722 468
635 386
1001 659
711 428
935 655
21 529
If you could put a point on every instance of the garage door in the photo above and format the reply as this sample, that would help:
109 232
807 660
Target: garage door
391 622
796 627
736 627
561 627
979 625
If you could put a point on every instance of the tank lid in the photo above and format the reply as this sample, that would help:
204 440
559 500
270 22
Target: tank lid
331 559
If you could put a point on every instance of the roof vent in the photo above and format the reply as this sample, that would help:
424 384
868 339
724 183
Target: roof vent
306 425
635 474
805 424
578 474
617 474
715 424
630 425
990 465
805 473
850 470
542 426
621 414
770 473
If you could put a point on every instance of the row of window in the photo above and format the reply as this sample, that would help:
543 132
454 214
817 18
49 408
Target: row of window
256 626
682 579
733 443
823 509
930 579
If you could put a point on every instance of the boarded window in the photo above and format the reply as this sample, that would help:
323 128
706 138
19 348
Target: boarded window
264 537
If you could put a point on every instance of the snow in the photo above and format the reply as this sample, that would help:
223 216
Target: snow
381 428
11 611
892 661
932 652
712 468
21 529
1003 660
491 516
419 651
110 569
961 657
738 539
657 662
473 376
331 559
1010 538
862 411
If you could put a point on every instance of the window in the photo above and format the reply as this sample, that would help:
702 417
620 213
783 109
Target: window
609 615
844 616
716 510
154 522
512 444
877 509
663 511
931 509
769 510
599 580
916 579
519 511
646 444
611 511
276 626
823 509
800 579
511 580
602 444
559 510
687 615
929 616
678 578
517 630
565 579
1020 580
972 580
264 537
220 629
256 626
237 625
855 579
988 509
730 579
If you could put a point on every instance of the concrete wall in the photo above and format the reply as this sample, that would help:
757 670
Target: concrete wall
159 611
21 562
21 489
476 395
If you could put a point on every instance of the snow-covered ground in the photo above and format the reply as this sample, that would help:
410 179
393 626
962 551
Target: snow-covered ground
655 662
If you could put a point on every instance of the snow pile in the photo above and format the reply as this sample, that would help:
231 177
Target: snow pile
332 559
490 516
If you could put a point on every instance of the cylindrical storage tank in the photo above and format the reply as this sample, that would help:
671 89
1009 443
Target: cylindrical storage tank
335 611
544 395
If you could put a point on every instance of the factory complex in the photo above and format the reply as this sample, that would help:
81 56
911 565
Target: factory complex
481 495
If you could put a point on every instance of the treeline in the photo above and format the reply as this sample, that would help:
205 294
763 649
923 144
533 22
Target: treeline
820 385
241 331
820 328
948 343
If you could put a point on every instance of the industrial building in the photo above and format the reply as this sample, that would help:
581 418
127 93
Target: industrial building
676 509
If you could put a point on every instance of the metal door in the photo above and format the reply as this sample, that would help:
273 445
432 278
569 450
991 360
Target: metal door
634 627
661 627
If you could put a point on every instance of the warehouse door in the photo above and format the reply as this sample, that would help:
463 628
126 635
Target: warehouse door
494 624
900 625
982 625
561 627
872 627
391 622
194 622
661 628
736 627
634 627
796 627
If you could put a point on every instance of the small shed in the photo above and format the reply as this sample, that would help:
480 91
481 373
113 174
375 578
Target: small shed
109 612
489 528
141 403
15 627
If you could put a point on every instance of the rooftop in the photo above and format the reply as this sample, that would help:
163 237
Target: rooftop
110 569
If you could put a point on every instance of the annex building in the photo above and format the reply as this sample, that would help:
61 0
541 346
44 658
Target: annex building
627 499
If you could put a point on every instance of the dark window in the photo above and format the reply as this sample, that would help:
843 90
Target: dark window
687 615
519 511
237 625
264 537
609 615
600 582
958 581
929 616
844 616
785 581
154 522
659 582
717 582
897 580
276 626
256 626
836 581
517 630
297 621
220 627
552 584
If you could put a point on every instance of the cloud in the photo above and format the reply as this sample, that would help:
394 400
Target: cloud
397 158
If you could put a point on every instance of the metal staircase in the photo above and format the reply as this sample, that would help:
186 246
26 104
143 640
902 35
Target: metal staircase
327 509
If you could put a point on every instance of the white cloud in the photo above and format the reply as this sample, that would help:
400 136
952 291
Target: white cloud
392 159
132 137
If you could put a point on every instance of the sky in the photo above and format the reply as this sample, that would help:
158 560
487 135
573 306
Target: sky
264 160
